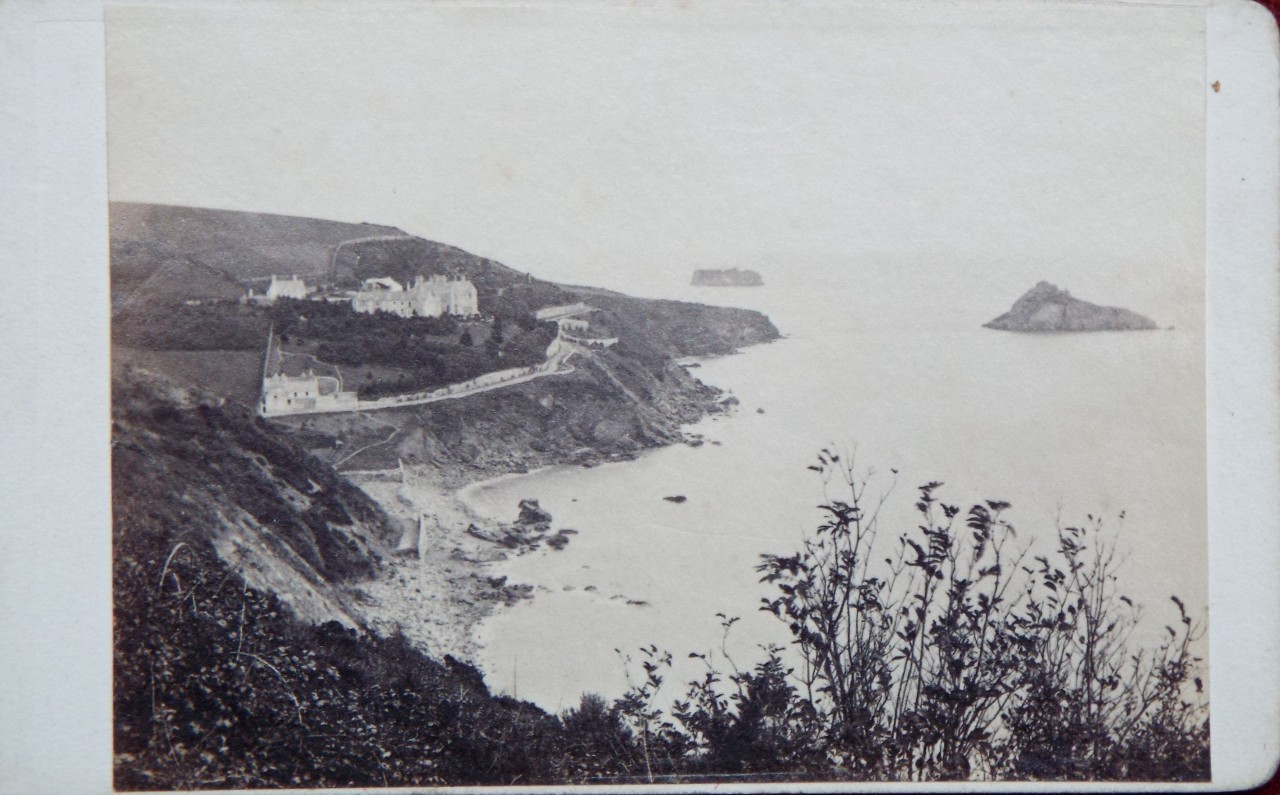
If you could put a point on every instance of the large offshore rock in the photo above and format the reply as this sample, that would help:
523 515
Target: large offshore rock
1046 307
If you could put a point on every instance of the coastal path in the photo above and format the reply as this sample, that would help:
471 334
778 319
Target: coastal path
395 429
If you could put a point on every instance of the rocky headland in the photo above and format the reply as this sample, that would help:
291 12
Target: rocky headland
331 557
729 277
354 517
1047 307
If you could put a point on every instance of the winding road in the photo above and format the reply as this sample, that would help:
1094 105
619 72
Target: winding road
558 354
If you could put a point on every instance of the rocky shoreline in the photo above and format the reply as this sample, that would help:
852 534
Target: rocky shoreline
439 587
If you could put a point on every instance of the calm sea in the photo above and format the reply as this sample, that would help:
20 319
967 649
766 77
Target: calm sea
1058 425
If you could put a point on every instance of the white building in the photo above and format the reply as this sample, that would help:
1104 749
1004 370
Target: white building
304 394
282 287
433 297
568 324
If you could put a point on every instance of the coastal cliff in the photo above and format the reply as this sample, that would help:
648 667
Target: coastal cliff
251 648
730 277
616 402
277 500
286 588
1046 307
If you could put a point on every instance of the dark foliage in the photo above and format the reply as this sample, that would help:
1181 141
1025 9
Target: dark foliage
522 299
431 351
219 685
952 660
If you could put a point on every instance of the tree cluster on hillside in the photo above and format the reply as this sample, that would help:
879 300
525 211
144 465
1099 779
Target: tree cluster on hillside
431 351
520 300
322 320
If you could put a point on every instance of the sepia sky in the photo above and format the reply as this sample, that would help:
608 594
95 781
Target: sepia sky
976 147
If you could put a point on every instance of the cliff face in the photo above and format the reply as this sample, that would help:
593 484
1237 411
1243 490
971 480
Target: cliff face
1045 307
731 277
239 659
194 478
611 407
252 578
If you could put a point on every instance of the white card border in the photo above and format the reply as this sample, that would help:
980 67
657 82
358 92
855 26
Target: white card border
55 733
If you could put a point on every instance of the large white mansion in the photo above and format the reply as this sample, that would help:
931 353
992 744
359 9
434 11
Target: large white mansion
433 297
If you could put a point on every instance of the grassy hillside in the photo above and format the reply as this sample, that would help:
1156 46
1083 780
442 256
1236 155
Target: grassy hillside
178 272
174 251
243 246
177 281
236 375
235 664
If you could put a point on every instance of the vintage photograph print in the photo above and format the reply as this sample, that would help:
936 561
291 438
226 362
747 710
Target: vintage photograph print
692 393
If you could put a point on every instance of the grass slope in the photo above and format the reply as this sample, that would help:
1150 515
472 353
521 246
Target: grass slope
242 245
177 272
217 681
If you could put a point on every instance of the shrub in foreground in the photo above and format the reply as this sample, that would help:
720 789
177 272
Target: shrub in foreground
955 654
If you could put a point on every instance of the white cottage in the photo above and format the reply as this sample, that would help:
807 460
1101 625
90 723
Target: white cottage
286 287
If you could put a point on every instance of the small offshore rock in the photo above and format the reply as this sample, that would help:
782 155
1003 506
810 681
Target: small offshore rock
726 277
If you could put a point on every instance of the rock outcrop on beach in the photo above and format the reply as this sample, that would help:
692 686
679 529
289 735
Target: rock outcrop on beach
530 529
729 277
1046 307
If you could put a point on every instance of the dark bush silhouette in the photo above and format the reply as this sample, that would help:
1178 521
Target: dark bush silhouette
952 657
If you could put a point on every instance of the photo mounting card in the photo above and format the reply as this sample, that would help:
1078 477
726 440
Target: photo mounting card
650 395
